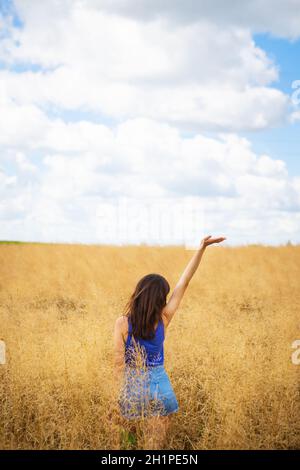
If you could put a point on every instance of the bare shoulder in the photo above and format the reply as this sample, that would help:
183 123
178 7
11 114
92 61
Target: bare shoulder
122 323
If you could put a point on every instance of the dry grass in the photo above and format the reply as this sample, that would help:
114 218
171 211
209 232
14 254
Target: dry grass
228 350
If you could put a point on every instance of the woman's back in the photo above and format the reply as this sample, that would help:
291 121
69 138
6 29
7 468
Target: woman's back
153 349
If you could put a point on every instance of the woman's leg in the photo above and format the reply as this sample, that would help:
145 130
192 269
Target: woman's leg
155 431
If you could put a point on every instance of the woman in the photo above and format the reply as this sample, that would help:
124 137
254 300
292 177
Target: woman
139 354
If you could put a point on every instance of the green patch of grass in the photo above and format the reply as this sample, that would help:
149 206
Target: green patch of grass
6 242
128 440
16 242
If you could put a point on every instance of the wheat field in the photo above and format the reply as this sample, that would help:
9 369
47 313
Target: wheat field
227 351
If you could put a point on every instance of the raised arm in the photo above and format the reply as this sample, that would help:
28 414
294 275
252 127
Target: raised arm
175 299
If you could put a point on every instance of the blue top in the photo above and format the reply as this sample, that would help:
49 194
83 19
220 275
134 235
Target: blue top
154 348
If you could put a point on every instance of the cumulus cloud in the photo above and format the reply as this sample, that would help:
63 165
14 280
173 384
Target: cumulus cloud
196 76
272 16
169 187
158 157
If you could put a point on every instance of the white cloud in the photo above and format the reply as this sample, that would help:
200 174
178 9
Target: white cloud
295 116
142 178
272 16
21 125
151 169
196 76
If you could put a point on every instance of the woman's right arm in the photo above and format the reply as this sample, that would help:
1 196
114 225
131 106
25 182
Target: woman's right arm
119 347
178 293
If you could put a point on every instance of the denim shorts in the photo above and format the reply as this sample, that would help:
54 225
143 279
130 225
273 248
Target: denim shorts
147 393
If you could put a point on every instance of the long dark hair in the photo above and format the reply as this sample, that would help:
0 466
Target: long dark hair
145 305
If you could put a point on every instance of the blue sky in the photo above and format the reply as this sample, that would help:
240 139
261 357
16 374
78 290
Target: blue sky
165 106
7 7
282 142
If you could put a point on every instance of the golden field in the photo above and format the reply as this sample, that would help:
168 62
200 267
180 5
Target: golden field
227 351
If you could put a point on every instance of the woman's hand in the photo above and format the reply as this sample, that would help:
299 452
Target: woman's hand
210 241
